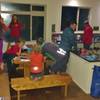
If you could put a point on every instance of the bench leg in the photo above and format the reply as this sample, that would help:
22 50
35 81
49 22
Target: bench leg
65 90
18 95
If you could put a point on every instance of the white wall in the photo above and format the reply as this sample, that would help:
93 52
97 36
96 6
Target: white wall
96 14
54 8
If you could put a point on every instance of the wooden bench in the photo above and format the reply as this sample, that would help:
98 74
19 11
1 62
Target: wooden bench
25 83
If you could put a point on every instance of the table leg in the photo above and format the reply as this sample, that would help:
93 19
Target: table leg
26 70
18 95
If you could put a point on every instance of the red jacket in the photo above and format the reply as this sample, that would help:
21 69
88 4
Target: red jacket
37 60
15 30
88 34
14 49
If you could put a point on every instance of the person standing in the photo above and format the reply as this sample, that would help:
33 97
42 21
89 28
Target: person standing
3 29
60 53
15 29
87 35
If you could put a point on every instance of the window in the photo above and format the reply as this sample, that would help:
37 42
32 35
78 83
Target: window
38 8
68 14
37 27
83 15
25 20
14 7
74 14
32 19
6 17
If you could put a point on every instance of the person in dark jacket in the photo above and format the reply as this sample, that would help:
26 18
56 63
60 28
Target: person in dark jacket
60 53
88 35
68 38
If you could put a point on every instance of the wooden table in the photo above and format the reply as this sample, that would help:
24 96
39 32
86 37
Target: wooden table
25 83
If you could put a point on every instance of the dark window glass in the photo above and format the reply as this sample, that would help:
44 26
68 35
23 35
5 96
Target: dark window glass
38 8
14 7
37 27
83 15
68 14
25 20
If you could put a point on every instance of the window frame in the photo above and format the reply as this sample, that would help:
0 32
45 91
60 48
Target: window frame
78 12
30 13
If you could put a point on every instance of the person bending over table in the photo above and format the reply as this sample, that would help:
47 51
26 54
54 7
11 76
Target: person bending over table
60 53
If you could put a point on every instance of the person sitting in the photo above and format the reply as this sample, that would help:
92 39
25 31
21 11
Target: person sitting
11 52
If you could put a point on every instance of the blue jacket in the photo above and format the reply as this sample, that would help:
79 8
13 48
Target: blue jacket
68 40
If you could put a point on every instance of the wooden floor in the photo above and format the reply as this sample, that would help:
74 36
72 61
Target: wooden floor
4 86
74 92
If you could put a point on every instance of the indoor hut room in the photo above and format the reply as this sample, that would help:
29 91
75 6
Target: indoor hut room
49 49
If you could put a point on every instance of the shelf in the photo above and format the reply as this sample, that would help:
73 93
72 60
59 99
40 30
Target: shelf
56 36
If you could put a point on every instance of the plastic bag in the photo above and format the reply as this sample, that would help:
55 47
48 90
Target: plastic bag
95 86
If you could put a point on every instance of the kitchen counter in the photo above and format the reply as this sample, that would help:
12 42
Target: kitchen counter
90 58
81 71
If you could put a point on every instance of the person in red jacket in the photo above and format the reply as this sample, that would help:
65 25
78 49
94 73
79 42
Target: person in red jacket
37 63
88 35
11 52
15 28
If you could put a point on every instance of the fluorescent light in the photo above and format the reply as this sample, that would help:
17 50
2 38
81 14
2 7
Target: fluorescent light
73 3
